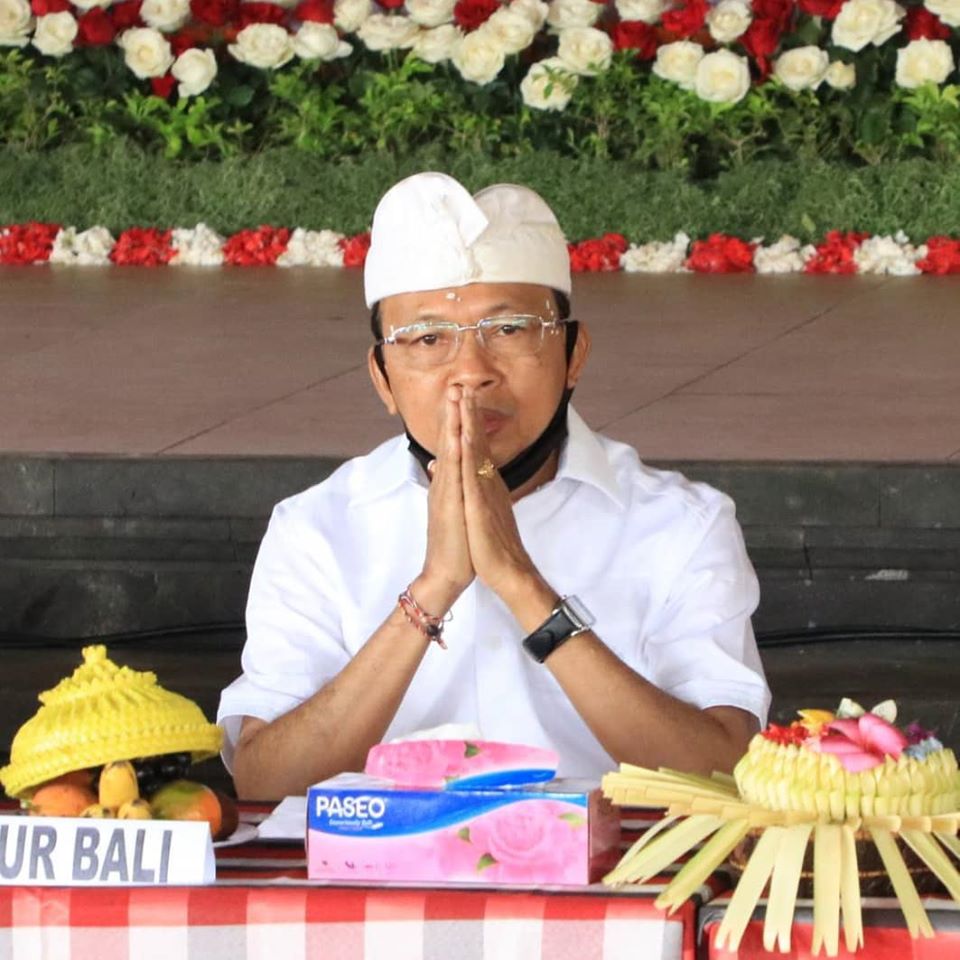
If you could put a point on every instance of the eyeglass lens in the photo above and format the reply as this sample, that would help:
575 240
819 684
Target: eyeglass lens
428 344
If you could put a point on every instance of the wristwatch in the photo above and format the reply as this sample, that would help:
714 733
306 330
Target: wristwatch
568 618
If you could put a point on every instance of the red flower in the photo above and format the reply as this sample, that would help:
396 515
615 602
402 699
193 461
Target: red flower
95 29
260 13
126 15
142 247
470 14
760 41
314 11
943 256
214 12
22 243
355 249
598 255
635 35
685 21
256 248
162 86
390 4
923 25
720 253
795 734
193 35
828 9
41 8
835 254
779 11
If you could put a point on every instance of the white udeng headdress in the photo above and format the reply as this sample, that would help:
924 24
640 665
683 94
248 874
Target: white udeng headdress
429 234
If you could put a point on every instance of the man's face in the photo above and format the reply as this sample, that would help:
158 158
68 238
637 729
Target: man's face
516 396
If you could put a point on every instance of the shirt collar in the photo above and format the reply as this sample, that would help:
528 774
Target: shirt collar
585 460
582 459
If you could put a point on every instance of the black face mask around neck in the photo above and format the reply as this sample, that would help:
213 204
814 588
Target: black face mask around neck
526 463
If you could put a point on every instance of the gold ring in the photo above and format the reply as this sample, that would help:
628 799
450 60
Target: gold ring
487 470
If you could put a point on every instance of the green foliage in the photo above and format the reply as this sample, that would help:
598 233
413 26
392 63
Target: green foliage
33 100
932 120
120 185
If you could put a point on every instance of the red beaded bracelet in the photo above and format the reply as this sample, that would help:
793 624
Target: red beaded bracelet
431 627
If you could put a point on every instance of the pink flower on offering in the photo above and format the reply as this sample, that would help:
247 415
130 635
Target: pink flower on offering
863 743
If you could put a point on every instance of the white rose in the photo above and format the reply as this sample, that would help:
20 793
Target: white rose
866 21
573 13
437 45
585 50
947 10
657 257
802 68
146 52
319 41
478 57
722 77
548 85
199 247
534 10
16 22
678 62
924 61
55 34
91 248
383 32
728 20
349 14
430 13
841 76
312 248
165 15
649 11
263 45
90 4
510 30
888 255
195 69
784 256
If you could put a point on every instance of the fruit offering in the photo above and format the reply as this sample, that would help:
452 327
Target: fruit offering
109 741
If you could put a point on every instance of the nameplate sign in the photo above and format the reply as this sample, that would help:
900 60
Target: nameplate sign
72 852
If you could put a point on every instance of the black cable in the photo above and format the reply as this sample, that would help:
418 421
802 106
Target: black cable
769 638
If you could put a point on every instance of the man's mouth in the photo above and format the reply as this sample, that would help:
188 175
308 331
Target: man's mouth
492 421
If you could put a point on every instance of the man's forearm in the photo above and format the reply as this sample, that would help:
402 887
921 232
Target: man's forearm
634 721
333 730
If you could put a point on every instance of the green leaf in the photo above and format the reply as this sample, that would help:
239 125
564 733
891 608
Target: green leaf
470 749
464 834
239 96
574 819
485 861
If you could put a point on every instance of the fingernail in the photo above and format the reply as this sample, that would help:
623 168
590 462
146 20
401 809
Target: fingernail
430 467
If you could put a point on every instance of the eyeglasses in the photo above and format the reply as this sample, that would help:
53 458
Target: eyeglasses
424 345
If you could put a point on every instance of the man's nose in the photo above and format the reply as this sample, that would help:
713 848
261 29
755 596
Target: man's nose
473 365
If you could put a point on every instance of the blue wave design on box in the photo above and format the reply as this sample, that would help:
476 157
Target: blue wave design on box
502 778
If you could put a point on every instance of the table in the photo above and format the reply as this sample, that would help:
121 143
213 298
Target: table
263 908
885 935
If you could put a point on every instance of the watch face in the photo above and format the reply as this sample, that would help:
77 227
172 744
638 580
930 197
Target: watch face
578 611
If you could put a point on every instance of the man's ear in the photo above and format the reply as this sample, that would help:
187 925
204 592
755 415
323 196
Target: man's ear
380 382
581 350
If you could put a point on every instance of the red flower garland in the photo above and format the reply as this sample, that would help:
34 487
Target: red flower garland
256 248
835 254
795 734
23 243
943 256
355 249
721 253
601 254
142 247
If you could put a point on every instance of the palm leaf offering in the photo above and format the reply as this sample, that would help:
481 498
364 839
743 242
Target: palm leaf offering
841 782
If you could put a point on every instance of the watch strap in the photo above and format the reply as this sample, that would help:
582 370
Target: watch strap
555 631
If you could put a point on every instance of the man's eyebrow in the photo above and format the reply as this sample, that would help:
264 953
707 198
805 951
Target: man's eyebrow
431 317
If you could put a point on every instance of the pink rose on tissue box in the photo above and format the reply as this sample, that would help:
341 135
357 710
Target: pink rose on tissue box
438 763
365 829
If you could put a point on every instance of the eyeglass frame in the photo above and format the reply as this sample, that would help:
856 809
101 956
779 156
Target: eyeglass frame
545 324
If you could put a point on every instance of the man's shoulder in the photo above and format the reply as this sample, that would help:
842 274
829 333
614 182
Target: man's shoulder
646 486
358 478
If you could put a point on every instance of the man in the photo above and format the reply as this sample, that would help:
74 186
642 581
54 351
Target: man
502 565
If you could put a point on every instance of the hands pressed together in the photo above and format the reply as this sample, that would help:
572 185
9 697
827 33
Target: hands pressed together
471 530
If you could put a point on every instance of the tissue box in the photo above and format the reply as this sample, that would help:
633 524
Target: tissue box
368 829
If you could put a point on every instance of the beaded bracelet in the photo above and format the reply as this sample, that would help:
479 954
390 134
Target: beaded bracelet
431 627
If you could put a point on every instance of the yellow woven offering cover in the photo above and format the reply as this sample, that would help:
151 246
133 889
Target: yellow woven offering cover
101 713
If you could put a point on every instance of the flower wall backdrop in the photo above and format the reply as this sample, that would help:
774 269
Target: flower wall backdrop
671 83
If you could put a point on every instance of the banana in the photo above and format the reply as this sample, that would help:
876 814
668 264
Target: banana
138 809
118 784
97 811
